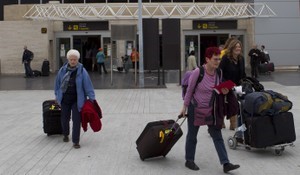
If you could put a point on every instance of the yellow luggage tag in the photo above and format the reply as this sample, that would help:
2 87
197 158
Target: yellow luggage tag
52 107
163 133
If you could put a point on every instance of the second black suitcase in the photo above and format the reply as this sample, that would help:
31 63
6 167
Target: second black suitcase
158 138
51 118
268 131
284 128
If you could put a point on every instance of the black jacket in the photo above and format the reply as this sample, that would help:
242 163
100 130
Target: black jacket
27 55
255 55
232 71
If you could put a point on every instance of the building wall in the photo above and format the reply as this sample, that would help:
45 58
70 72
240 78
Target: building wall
280 34
42 44
247 25
14 35
15 12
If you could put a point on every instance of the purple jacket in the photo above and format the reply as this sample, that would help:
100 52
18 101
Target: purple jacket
222 107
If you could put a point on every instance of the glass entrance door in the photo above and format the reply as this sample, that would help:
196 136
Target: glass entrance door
191 44
210 40
63 45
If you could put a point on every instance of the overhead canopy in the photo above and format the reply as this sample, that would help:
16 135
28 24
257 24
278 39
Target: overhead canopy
108 11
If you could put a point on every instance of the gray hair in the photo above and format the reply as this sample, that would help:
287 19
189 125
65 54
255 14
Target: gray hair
73 52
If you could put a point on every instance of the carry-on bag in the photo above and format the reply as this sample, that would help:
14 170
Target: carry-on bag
258 104
51 117
36 73
266 67
158 138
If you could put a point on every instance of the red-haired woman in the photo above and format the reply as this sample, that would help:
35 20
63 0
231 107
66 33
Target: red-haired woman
205 107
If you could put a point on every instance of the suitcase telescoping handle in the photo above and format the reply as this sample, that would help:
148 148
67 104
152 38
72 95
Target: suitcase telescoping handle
179 117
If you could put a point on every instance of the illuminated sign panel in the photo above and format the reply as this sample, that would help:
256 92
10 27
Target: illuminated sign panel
214 25
85 26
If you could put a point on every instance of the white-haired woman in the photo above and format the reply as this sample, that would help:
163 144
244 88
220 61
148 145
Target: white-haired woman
72 87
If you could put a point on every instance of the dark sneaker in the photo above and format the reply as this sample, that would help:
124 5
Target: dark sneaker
228 167
191 165
66 138
76 145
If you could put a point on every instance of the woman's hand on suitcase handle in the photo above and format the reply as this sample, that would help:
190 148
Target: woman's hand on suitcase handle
183 112
182 116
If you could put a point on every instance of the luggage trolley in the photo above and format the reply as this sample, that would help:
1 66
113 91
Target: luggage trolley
239 137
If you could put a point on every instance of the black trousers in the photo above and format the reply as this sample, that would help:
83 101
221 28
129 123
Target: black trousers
254 69
100 69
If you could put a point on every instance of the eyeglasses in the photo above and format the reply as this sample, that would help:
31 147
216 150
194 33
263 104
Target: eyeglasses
217 59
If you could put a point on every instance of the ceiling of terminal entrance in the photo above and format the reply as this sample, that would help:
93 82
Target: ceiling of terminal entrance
106 11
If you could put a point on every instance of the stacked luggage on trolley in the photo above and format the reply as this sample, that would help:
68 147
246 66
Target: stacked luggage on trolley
264 119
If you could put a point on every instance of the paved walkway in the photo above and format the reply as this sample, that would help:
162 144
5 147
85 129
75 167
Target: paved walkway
25 149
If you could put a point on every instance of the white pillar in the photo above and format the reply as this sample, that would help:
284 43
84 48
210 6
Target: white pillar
141 46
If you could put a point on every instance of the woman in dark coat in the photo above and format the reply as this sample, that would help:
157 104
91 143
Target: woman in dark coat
233 66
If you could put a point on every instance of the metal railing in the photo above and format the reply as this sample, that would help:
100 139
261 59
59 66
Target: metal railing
104 11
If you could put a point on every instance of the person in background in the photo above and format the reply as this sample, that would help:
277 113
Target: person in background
209 107
191 61
226 46
221 47
73 87
26 60
135 58
254 54
100 61
94 53
265 58
233 66
263 49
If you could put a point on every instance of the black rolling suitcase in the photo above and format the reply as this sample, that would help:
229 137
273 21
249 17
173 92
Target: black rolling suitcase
260 132
51 118
158 138
268 131
45 68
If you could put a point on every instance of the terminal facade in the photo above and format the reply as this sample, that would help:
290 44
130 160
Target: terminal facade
50 35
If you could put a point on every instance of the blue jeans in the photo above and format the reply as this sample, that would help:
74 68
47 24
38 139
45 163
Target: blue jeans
65 120
191 139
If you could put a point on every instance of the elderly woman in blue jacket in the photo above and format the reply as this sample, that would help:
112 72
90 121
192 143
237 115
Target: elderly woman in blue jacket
72 87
